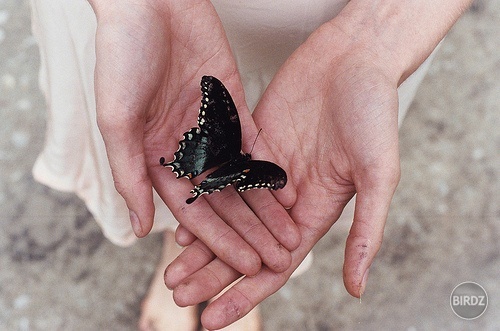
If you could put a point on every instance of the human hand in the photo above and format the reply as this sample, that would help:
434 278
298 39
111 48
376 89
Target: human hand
336 130
330 117
150 58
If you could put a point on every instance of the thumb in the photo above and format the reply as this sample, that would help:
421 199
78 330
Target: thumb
120 103
123 137
367 230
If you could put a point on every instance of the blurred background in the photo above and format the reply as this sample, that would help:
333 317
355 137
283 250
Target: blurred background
57 271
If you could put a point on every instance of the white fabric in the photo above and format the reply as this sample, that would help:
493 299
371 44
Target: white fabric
262 34
74 157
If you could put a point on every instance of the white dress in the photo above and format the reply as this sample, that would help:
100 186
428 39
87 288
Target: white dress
262 34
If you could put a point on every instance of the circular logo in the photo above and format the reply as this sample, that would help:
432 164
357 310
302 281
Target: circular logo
468 300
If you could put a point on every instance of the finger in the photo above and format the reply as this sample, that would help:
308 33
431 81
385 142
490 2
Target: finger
216 276
238 301
123 138
204 223
365 237
194 257
201 275
274 216
229 205
183 236
243 296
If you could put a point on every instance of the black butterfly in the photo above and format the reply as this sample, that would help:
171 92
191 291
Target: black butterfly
217 142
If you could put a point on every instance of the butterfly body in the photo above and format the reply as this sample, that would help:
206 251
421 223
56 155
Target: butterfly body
217 143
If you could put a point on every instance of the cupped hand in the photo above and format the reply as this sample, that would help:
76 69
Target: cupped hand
151 56
330 117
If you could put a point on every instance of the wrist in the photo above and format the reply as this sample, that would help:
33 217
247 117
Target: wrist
394 36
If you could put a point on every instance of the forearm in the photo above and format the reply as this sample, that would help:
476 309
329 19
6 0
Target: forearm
399 34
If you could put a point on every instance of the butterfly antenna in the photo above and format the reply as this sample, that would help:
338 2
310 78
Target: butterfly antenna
258 133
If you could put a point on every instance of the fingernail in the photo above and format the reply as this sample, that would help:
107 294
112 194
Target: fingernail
136 223
362 286
167 284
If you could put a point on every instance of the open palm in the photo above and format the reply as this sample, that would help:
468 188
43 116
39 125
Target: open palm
338 134
150 60
333 125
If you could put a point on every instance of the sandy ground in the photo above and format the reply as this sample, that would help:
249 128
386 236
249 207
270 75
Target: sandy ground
59 273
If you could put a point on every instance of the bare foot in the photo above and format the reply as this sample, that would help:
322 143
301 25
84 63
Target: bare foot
159 311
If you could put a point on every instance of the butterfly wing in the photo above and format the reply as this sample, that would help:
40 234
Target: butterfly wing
245 174
218 138
262 174
217 142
